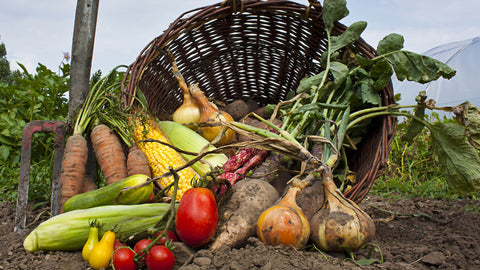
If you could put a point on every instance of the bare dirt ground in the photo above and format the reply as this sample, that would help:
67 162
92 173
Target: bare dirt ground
424 234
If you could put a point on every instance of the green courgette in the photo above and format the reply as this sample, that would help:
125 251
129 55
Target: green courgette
109 195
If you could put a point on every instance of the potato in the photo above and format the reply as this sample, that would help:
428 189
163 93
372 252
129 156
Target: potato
237 217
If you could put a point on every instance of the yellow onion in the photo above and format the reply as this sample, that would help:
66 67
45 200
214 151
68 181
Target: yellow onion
188 113
284 223
210 115
340 223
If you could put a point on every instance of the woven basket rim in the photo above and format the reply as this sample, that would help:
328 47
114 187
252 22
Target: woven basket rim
189 20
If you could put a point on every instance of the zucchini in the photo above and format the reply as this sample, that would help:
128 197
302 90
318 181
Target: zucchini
69 231
107 194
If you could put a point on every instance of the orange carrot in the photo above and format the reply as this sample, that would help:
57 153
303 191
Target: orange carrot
75 157
89 183
73 167
137 162
109 152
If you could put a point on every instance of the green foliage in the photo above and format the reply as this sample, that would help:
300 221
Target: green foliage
413 169
30 97
4 65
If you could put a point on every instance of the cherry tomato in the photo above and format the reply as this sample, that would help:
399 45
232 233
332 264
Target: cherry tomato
160 258
141 245
118 244
122 259
170 235
197 217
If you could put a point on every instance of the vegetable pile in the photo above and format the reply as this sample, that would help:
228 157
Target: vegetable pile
213 175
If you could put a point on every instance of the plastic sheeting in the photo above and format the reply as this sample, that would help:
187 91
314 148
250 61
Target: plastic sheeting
464 57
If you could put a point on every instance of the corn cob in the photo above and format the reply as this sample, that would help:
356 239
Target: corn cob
69 231
188 140
160 157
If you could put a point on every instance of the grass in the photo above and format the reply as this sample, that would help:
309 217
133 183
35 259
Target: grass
412 171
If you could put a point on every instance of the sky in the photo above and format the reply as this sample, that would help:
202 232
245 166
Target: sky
41 31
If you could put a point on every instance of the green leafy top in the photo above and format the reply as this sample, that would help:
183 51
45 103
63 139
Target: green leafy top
340 102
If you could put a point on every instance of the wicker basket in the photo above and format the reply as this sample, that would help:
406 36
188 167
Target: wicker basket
251 49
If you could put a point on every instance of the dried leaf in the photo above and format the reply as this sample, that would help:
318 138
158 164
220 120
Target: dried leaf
469 116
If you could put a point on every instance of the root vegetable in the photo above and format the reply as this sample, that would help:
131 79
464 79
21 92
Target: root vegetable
109 152
189 112
137 162
73 167
89 183
239 214
284 223
340 224
210 115
271 171
237 109
310 200
252 105
252 122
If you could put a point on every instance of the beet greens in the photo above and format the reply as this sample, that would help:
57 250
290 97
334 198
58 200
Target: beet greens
339 103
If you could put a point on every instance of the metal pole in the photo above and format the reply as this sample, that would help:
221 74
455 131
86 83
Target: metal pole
82 51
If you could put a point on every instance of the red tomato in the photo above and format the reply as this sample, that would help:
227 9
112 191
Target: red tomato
118 244
122 259
160 258
197 217
170 235
141 245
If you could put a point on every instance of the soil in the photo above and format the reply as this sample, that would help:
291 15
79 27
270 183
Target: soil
423 234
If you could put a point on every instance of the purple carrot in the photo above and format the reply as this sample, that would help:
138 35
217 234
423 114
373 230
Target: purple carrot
240 158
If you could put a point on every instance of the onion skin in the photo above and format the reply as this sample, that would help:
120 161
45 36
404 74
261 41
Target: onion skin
284 223
211 115
210 133
340 223
188 112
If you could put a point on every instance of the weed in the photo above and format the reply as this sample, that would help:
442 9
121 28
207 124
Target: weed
412 169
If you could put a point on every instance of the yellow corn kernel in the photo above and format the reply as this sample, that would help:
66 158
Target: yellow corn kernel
160 157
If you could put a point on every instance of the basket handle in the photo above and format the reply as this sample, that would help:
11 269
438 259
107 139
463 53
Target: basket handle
235 5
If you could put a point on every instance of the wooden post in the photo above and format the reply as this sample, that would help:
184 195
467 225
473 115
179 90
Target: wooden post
82 52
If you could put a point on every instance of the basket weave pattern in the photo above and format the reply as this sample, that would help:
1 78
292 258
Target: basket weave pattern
251 49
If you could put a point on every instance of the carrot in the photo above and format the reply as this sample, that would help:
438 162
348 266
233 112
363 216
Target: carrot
88 184
75 156
73 167
109 152
137 162
89 181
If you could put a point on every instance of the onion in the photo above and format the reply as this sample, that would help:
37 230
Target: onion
340 223
189 112
210 115
284 223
